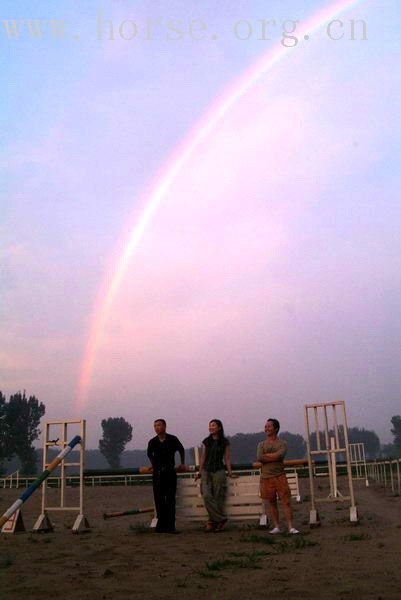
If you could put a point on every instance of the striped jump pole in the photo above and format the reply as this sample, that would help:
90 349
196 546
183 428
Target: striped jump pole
121 471
34 486
134 511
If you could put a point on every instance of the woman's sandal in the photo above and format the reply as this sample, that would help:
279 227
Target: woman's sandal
209 527
220 526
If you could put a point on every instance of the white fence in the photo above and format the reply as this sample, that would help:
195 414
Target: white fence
11 481
386 473
127 480
73 480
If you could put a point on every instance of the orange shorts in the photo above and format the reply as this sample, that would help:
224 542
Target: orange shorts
271 487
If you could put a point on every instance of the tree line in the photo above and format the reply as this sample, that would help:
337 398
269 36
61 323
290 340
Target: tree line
20 417
117 432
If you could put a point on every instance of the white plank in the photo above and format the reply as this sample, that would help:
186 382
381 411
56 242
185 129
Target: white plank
245 510
191 512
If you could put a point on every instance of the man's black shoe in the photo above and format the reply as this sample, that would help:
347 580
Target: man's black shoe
173 531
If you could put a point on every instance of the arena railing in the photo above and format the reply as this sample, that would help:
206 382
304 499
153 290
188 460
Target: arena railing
386 472
11 481
92 480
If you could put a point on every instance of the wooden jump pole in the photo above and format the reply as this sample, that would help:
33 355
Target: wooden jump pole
336 427
34 486
329 456
314 516
134 511
353 510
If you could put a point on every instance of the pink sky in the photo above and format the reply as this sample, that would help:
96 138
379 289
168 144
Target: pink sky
269 276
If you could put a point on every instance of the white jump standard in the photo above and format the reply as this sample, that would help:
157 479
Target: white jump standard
358 461
333 442
81 524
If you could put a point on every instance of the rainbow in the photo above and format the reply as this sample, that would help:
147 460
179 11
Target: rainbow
174 166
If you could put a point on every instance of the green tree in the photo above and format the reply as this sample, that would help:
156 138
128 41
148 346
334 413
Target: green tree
367 437
396 431
3 430
243 445
23 418
355 435
295 443
388 451
117 432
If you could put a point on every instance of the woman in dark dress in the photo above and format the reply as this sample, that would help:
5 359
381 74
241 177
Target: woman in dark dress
215 454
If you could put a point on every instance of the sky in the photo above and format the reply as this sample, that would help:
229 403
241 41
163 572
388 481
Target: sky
183 236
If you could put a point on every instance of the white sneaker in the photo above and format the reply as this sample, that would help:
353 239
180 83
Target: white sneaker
293 531
275 531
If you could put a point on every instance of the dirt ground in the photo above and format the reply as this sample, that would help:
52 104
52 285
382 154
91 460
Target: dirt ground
120 558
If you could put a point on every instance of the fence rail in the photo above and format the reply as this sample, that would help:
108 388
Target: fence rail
386 473
11 481
108 480
73 480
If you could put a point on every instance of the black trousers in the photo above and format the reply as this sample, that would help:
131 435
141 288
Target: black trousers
164 490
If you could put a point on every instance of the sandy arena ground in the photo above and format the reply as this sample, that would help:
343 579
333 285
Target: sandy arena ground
121 559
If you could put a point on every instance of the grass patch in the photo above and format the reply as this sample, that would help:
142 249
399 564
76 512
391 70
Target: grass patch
250 555
301 542
357 537
239 560
6 562
260 539
339 521
209 575
219 565
279 546
139 528
248 526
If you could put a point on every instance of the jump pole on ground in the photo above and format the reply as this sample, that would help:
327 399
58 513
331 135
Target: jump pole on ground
134 511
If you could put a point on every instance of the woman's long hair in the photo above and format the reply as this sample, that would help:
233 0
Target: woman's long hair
220 432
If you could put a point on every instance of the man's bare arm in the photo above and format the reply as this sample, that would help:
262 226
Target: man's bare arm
271 456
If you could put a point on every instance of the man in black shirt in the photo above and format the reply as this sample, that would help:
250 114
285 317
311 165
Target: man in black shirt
161 453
